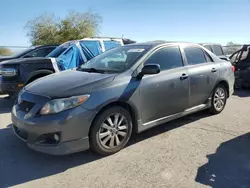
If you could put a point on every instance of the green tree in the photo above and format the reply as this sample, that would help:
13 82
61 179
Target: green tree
5 51
48 29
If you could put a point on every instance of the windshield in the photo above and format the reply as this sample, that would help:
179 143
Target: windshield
60 49
118 59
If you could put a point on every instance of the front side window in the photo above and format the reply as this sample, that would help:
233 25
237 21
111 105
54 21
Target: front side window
111 44
40 52
167 58
194 55
217 50
116 60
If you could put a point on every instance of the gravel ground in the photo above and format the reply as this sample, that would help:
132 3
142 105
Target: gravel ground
195 151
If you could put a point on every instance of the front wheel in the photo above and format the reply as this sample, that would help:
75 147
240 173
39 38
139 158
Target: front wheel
219 99
111 131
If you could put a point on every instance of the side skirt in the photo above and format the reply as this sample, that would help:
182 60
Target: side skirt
148 125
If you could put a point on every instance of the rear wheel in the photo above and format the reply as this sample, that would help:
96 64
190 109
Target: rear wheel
219 99
111 131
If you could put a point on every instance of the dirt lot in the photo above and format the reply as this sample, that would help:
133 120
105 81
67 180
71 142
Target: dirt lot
195 151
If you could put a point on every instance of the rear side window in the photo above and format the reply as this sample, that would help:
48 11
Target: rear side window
167 58
93 46
217 50
195 55
111 44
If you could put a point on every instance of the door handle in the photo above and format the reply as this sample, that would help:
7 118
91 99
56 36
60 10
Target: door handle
184 76
214 70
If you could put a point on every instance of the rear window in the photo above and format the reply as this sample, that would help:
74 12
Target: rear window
217 50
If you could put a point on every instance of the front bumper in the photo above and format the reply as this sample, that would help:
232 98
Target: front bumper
72 126
8 86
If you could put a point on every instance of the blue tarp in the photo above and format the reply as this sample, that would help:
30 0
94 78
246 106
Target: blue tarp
72 56
69 59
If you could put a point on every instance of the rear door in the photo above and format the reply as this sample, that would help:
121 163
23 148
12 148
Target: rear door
165 93
202 72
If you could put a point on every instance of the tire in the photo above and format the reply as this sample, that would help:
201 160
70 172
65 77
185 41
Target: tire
106 139
219 95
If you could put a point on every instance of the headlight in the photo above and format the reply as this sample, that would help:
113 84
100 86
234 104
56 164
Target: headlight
59 105
8 72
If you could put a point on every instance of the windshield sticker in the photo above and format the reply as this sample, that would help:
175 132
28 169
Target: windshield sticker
136 50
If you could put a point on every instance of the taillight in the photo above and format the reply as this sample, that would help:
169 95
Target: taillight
233 68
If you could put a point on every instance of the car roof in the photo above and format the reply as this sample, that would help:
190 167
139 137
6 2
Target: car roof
210 44
161 42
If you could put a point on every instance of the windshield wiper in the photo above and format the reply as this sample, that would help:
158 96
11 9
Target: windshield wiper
92 70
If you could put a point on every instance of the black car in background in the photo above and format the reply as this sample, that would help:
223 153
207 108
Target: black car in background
15 73
217 49
241 61
34 51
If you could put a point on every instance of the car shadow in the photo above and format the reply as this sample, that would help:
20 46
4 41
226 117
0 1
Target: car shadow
229 166
242 93
6 105
19 164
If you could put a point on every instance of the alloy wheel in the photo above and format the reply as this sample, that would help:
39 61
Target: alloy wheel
219 99
113 131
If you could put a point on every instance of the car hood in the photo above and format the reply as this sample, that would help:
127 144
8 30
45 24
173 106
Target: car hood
6 58
26 61
68 83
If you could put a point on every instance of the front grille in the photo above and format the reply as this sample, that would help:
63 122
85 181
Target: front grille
26 106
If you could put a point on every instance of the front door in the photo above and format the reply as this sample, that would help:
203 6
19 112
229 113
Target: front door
165 93
203 75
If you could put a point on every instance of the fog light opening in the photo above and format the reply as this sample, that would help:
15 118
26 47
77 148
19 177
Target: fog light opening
56 137
51 138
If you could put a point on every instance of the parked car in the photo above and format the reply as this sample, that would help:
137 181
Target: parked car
14 74
132 87
217 49
34 51
241 60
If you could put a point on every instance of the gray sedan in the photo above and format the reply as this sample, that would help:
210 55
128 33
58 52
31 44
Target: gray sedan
127 89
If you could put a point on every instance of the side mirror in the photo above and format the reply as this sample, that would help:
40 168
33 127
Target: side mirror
151 69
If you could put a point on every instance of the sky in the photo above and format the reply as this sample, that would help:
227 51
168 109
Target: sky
217 21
